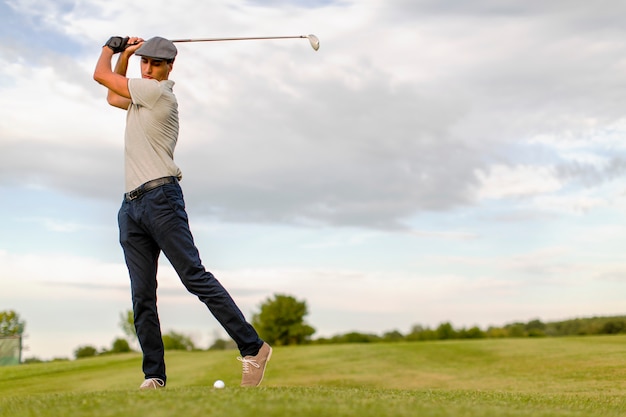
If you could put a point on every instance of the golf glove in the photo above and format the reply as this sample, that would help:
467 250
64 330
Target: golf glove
117 43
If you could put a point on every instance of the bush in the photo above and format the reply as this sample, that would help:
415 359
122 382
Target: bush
120 346
613 327
445 331
393 336
221 344
85 352
472 333
177 341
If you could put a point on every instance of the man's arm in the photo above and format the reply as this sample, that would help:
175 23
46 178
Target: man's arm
116 82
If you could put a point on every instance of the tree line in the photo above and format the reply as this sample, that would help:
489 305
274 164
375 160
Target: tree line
592 326
281 321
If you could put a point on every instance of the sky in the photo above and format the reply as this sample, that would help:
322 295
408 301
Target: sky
434 161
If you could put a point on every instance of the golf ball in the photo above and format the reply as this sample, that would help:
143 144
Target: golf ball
219 384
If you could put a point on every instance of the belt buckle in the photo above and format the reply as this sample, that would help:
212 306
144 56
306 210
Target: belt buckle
134 194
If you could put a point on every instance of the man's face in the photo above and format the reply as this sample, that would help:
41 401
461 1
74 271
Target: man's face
155 69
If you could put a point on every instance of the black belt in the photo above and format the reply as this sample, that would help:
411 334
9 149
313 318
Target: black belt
148 186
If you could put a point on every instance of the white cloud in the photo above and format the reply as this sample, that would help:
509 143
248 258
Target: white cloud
519 181
45 271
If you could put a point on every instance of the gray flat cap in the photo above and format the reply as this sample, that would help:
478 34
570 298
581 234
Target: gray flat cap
158 48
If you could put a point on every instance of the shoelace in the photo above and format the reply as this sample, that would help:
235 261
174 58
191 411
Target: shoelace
153 383
246 364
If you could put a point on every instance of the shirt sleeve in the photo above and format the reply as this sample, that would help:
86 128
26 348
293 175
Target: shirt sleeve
144 92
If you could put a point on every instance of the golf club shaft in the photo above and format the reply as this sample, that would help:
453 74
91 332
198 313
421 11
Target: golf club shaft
237 39
315 43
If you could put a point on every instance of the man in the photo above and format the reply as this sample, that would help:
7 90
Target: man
153 217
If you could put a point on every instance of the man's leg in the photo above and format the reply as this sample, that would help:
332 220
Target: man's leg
171 231
141 254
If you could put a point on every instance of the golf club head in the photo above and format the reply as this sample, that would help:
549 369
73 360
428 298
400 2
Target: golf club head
315 43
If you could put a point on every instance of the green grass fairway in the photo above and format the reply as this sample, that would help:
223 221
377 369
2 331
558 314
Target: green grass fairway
507 377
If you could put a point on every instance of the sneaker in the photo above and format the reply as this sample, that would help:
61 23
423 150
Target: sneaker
152 383
254 366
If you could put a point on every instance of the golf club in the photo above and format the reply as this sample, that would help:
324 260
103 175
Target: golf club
315 43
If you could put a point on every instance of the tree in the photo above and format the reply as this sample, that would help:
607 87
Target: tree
393 336
445 331
281 321
221 344
355 337
177 341
516 330
127 323
472 333
11 324
120 346
85 352
536 328
613 327
421 333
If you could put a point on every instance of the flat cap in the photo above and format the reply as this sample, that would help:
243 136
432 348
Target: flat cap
158 48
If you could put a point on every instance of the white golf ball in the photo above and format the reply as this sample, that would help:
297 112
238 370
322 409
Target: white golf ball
219 384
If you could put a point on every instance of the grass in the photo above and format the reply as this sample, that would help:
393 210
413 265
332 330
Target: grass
505 377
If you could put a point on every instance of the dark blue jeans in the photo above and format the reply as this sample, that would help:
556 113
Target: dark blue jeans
155 222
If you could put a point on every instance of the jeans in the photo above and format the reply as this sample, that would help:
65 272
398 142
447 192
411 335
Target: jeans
155 222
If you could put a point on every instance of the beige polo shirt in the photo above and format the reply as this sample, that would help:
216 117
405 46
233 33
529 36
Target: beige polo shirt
151 132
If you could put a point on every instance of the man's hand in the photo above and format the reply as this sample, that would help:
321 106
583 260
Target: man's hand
132 44
117 43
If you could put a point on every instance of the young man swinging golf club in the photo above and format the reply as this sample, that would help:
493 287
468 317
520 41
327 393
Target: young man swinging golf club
152 217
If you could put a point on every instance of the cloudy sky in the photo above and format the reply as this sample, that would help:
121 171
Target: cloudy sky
433 161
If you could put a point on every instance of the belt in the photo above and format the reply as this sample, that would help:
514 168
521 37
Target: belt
148 186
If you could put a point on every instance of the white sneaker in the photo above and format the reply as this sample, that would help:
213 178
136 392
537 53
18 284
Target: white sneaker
152 383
